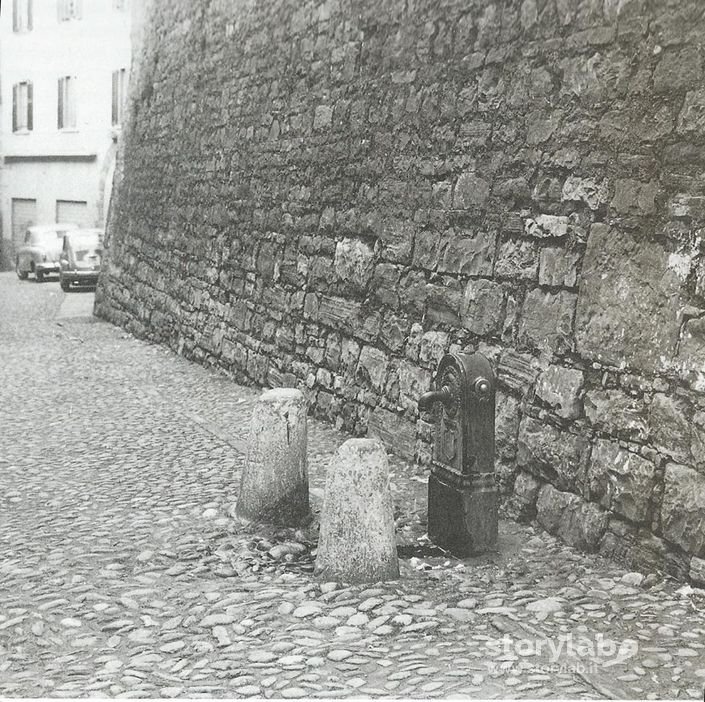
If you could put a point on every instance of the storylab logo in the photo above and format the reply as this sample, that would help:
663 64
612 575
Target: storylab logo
568 649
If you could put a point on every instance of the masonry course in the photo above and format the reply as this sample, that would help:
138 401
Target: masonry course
332 195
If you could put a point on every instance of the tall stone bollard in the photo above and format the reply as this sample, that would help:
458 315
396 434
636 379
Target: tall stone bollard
356 542
274 485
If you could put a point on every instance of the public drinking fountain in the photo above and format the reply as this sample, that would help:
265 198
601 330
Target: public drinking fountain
462 493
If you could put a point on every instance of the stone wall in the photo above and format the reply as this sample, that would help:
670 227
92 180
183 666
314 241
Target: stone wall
331 195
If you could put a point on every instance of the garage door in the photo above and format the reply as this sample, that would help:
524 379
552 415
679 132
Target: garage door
24 214
75 211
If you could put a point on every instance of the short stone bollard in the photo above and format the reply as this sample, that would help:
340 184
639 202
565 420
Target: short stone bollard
274 485
356 542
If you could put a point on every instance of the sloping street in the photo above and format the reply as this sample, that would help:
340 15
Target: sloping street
123 573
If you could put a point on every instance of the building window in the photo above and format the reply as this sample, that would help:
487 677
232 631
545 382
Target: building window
67 103
22 107
21 15
119 84
69 9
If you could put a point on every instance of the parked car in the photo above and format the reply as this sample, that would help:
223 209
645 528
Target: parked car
80 258
39 254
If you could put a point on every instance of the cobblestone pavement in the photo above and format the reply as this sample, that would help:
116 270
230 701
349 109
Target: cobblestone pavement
122 573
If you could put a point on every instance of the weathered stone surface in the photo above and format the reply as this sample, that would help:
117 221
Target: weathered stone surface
558 267
692 116
683 509
372 366
506 425
578 523
470 190
517 259
354 262
618 318
518 371
697 571
546 321
357 542
466 253
691 353
522 504
620 480
556 456
560 388
616 412
413 382
634 197
274 484
669 426
592 193
482 307
394 431
546 226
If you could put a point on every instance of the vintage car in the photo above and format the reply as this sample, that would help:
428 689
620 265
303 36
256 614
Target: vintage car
80 258
39 254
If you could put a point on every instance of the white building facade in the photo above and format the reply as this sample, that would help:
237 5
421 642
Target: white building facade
64 72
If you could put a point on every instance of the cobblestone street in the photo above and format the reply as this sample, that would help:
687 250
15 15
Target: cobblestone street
123 574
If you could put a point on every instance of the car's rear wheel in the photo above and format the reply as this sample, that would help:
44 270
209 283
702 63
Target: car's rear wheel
39 275
22 275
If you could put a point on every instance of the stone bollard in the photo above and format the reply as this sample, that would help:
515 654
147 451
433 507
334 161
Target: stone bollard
274 485
356 543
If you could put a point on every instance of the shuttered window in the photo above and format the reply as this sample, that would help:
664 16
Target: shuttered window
21 15
22 107
66 113
69 9
119 79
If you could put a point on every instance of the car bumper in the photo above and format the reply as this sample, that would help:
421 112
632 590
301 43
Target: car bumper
47 267
80 277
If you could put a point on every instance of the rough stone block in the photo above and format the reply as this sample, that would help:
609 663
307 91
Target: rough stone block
433 346
517 259
616 412
546 320
697 571
466 253
518 371
274 484
632 197
620 480
396 432
561 388
413 382
522 504
578 523
692 116
506 425
592 193
555 456
619 318
691 353
372 366
683 509
357 543
354 262
482 307
678 69
558 267
470 191
338 312
546 226
669 426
